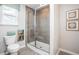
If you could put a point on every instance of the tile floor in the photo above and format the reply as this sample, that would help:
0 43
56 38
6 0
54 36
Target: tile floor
26 51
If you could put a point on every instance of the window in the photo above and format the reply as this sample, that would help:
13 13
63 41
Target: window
9 15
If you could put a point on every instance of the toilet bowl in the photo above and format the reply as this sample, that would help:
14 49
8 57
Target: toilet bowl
12 46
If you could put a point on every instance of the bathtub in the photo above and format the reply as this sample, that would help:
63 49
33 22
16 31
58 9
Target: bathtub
41 48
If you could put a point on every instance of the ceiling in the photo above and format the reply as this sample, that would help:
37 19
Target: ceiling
33 5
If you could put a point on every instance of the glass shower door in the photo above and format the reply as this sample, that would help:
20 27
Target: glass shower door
30 26
38 28
43 29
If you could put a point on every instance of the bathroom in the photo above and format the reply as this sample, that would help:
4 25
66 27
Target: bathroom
30 29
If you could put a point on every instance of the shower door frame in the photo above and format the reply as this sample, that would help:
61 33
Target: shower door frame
51 48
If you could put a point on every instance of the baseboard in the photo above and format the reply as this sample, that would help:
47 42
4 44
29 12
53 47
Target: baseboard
58 51
67 51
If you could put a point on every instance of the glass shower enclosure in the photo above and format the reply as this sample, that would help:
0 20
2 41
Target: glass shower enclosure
38 29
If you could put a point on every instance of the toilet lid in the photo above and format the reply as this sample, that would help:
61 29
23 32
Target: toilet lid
13 46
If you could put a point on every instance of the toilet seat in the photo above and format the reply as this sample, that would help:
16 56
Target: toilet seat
13 47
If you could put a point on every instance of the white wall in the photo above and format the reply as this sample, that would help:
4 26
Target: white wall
21 18
69 39
4 29
56 27
52 29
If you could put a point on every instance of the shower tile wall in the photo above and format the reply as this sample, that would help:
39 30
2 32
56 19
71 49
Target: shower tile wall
30 24
42 22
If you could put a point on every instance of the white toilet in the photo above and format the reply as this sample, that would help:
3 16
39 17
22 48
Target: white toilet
12 45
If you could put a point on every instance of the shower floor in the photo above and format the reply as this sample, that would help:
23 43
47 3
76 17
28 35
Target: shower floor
41 45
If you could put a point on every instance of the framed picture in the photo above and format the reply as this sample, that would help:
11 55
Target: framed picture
73 14
72 25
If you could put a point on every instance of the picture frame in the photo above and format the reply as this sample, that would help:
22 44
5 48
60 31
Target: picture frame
72 26
73 15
